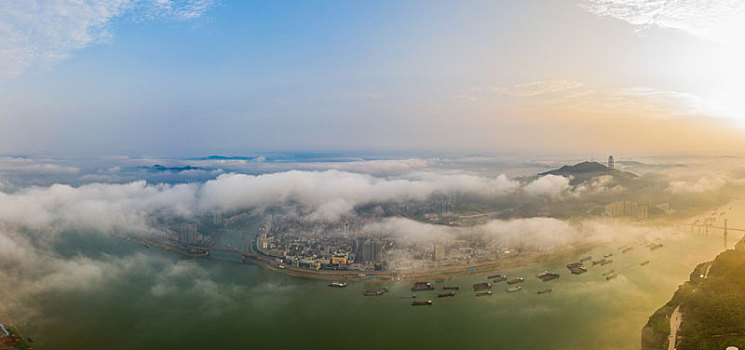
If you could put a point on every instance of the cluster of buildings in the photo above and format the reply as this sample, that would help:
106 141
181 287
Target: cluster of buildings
346 249
629 209
322 252
186 233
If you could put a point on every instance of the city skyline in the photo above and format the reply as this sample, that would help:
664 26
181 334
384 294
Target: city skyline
479 174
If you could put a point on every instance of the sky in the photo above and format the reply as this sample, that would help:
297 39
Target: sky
196 77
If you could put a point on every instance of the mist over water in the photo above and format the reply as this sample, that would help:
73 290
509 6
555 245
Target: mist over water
163 300
166 166
80 279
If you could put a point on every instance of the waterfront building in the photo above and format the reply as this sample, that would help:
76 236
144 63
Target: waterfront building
371 251
188 233
627 209
217 219
339 259
439 253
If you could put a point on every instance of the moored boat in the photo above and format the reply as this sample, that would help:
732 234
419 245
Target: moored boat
602 262
481 286
423 286
516 280
577 268
337 284
514 289
546 276
417 303
544 291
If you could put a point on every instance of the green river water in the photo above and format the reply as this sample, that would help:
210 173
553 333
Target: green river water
173 302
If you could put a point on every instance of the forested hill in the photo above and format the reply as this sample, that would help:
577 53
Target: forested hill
713 307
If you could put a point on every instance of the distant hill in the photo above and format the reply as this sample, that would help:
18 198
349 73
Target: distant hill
161 168
585 171
219 157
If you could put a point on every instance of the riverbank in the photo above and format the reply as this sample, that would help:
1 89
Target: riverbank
711 304
429 274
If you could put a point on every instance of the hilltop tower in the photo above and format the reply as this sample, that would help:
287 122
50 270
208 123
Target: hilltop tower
611 162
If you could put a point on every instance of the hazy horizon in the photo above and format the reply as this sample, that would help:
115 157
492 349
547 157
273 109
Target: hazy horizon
203 77
226 173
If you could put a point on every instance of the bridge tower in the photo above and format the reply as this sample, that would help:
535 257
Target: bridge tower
725 233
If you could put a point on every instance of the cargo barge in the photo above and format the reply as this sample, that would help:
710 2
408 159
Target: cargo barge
374 292
516 280
602 262
422 286
546 276
337 284
481 286
655 246
577 268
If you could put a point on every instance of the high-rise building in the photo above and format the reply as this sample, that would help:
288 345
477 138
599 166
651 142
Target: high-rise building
268 223
611 162
439 252
627 209
188 233
371 251
217 219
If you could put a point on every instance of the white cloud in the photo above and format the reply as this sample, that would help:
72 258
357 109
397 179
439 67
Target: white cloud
599 184
30 166
38 33
534 233
710 19
549 185
704 184
537 88
662 102
322 196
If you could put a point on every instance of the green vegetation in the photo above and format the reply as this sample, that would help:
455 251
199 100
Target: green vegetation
21 345
713 308
657 329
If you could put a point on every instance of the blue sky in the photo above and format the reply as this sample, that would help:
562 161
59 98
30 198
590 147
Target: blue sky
197 77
